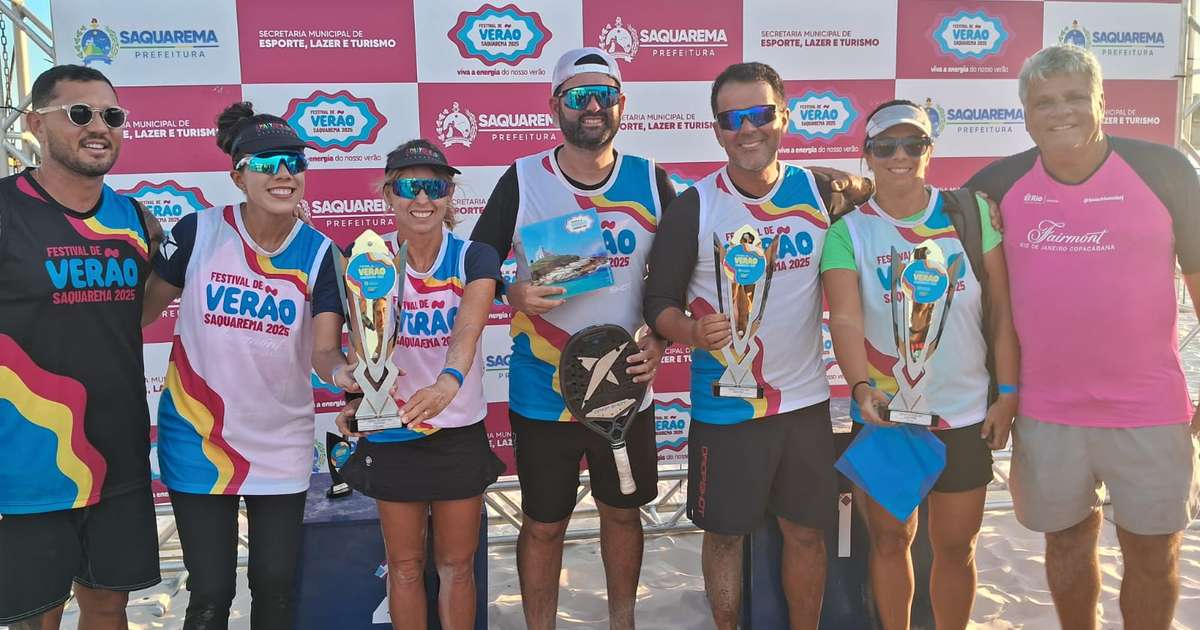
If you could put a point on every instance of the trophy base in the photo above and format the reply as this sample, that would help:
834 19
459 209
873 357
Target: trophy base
339 491
909 417
377 423
724 390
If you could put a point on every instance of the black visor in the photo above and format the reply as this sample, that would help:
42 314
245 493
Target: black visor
418 155
266 135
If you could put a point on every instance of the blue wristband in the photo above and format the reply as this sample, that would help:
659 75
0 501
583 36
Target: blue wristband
458 376
1006 389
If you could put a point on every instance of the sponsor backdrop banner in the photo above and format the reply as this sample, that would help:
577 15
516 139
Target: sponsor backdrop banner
473 76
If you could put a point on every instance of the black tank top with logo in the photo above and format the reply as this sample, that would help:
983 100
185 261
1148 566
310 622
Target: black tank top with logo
73 416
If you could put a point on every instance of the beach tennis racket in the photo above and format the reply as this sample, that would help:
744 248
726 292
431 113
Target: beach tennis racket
598 391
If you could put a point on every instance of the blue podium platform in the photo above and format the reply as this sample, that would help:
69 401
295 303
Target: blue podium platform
848 604
337 585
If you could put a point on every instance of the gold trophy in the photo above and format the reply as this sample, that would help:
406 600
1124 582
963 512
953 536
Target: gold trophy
371 285
922 290
744 271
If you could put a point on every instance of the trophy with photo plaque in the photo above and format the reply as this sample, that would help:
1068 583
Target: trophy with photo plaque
922 290
743 273
370 283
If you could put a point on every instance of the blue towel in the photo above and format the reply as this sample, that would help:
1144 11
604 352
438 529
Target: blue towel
896 466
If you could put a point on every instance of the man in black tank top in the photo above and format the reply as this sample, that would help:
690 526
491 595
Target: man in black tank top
75 502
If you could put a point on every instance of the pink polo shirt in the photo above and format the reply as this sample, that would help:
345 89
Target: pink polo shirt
1092 268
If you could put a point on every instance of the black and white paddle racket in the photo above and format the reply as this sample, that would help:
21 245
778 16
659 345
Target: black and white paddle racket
597 390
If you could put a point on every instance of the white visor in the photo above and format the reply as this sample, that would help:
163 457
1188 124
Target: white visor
900 114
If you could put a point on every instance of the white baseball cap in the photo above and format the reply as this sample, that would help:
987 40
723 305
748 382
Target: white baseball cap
898 114
581 60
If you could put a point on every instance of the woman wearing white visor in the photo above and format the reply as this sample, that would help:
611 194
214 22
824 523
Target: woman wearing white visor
943 340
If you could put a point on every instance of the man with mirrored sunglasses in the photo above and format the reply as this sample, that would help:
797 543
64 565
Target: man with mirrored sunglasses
75 503
770 455
628 193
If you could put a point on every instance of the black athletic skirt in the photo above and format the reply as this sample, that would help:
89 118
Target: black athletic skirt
450 464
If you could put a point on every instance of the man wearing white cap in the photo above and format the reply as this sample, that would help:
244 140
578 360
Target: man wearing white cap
628 193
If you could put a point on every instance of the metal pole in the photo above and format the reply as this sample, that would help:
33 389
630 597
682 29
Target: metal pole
1187 102
21 51
21 61
20 148
9 148
39 31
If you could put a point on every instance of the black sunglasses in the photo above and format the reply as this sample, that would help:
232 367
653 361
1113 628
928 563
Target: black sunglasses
914 146
80 114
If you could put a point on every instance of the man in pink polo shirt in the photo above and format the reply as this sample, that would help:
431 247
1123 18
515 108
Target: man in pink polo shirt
1094 225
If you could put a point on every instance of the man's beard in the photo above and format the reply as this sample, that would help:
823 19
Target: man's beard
575 134
63 154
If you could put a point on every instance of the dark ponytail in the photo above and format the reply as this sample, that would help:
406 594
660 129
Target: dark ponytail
230 121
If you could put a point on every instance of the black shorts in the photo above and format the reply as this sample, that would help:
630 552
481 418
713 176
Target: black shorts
781 465
112 545
968 459
448 465
548 455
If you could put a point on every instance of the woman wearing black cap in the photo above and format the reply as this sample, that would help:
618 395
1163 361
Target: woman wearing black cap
259 305
441 460
934 310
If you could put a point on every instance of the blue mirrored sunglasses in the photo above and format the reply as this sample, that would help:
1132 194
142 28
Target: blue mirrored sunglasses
410 187
269 163
759 115
578 97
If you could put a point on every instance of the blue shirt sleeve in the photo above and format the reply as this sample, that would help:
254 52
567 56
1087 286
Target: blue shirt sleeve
325 297
171 260
482 261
